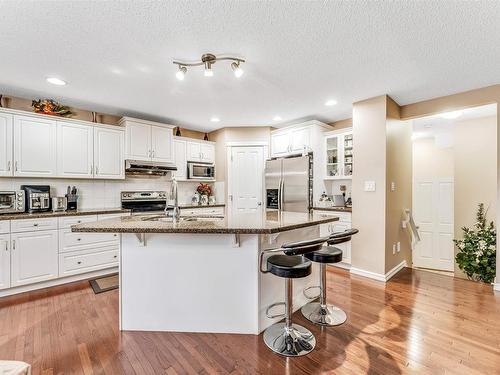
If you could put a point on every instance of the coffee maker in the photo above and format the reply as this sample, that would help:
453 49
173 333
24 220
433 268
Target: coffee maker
37 198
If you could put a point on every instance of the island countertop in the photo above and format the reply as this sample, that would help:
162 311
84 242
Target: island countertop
267 223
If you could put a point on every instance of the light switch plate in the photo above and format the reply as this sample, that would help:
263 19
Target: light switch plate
370 186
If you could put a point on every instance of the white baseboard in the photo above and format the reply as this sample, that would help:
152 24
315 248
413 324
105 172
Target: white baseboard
50 283
343 265
379 276
496 286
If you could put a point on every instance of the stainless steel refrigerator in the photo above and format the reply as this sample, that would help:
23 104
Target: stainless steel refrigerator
289 184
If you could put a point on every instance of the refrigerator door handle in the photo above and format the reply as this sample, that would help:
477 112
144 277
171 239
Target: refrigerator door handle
282 195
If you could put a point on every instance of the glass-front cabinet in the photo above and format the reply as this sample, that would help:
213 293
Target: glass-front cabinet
339 154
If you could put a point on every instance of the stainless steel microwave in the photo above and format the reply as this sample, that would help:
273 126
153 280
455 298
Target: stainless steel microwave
201 171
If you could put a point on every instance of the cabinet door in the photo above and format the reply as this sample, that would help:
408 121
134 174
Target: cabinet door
180 159
138 140
346 246
6 167
4 261
34 147
300 139
162 144
109 160
34 257
75 150
347 153
207 153
193 151
280 143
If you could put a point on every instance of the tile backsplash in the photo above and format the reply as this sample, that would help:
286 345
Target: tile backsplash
106 193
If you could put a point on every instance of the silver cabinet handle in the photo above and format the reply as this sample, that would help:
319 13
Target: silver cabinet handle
96 170
6 246
35 225
79 262
15 165
13 244
8 165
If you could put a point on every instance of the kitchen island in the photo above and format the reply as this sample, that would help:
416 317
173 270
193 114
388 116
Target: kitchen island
202 274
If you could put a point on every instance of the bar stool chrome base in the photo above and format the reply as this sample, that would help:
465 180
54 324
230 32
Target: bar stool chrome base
290 342
326 315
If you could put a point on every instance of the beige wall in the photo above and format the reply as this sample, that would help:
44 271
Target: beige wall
368 212
399 172
430 162
341 124
473 98
475 171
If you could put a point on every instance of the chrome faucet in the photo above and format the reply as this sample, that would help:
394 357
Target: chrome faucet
173 203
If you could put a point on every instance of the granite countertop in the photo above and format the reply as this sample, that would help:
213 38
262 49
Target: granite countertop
41 215
333 208
270 222
189 206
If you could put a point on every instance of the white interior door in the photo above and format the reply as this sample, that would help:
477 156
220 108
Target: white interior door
246 170
434 209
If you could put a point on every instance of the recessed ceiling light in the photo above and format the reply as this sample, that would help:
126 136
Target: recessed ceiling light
56 81
215 119
451 115
277 118
330 102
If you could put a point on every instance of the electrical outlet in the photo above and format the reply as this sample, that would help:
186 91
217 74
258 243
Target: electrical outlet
393 248
370 186
398 247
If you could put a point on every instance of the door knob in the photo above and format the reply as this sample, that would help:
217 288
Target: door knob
259 203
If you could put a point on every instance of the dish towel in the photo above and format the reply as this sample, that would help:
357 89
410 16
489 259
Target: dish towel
14 368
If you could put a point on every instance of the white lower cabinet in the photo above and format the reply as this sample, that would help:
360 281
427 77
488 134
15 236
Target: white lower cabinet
215 211
33 257
343 224
4 261
82 261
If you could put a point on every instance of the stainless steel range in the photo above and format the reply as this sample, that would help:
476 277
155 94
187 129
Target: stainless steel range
141 202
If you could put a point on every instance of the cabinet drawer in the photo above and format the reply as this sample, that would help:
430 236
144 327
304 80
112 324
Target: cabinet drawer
343 216
203 211
112 216
86 261
4 226
67 222
71 241
31 225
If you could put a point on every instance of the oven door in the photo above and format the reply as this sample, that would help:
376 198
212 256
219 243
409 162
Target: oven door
201 171
7 201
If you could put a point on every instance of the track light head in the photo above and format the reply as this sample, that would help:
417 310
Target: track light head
238 72
181 73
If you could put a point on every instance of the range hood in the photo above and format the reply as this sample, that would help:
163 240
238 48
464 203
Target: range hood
148 168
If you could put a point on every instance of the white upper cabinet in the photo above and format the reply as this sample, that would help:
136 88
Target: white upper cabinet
6 162
339 155
297 139
201 151
180 159
138 141
75 150
109 161
148 141
35 147
162 144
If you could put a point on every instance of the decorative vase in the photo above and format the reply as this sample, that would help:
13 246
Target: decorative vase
1 97
178 132
94 117
195 201
205 138
204 200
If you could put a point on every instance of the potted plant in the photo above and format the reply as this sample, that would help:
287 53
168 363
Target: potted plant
477 250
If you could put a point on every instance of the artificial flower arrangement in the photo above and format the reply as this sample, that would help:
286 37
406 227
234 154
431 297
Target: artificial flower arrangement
204 189
50 107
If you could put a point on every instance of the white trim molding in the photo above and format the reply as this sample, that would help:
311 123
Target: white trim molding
496 286
378 276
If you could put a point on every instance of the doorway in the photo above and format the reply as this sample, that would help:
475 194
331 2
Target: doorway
246 180
454 169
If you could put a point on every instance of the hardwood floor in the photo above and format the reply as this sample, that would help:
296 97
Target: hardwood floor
419 322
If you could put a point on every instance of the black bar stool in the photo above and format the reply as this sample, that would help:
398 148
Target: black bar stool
320 312
286 338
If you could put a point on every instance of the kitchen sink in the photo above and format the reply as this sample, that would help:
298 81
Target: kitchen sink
182 218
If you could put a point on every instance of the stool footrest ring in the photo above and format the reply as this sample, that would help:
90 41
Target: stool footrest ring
274 305
312 287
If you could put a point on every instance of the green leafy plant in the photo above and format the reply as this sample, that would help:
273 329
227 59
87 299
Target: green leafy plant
477 250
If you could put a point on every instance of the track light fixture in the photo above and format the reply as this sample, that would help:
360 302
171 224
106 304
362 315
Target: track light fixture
207 60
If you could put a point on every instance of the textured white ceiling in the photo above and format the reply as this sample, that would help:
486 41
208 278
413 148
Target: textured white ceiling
117 55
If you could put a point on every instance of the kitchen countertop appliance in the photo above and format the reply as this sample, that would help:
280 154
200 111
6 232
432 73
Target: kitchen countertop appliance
140 202
37 198
59 204
201 171
12 201
289 184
